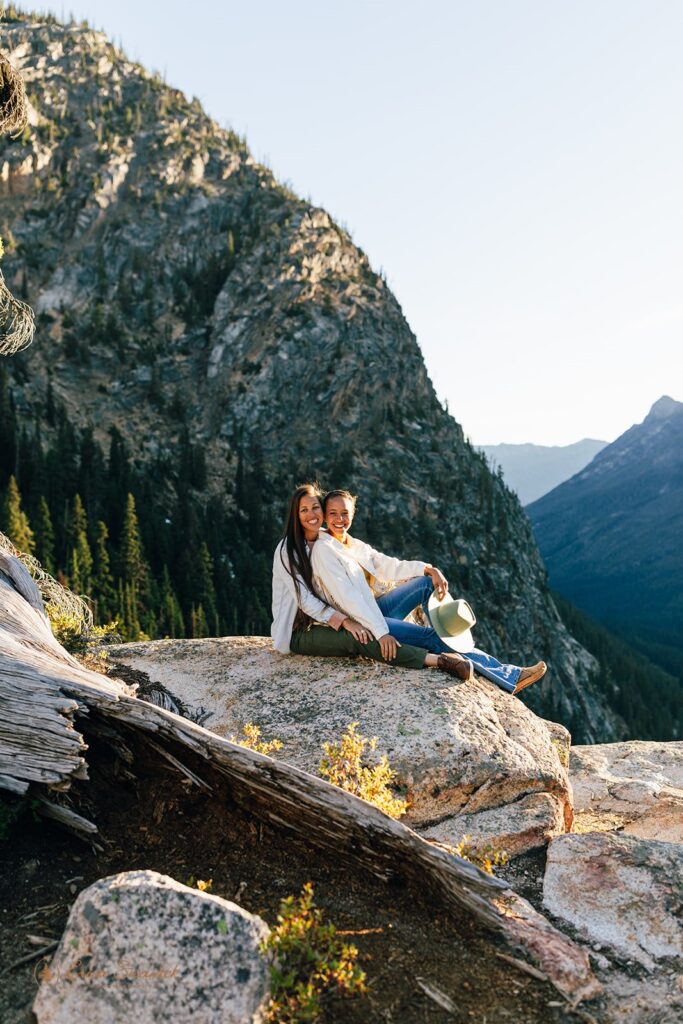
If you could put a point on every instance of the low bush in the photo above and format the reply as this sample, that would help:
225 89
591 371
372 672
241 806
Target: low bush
342 766
82 639
309 960
486 857
251 739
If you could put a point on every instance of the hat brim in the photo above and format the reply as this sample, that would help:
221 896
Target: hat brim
462 643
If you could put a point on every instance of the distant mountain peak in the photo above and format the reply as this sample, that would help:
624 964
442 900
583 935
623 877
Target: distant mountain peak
664 407
533 469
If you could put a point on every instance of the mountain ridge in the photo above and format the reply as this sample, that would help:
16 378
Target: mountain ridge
612 534
531 470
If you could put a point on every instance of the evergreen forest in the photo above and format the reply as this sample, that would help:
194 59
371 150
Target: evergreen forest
145 545
646 696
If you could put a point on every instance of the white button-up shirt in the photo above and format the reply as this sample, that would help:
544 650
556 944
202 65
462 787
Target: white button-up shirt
338 575
285 603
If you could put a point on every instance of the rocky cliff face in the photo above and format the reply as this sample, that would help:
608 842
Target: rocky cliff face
177 282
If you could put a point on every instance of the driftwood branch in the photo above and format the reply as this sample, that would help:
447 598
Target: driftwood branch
65 816
43 690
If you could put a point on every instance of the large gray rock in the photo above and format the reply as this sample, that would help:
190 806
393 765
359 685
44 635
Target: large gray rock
514 827
636 787
141 946
458 749
619 891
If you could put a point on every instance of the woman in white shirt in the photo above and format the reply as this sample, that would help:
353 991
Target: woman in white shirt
345 571
305 624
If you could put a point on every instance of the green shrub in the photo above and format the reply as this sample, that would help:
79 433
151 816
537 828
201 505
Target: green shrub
342 766
309 960
486 857
82 639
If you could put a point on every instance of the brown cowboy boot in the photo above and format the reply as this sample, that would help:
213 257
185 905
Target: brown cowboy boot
456 665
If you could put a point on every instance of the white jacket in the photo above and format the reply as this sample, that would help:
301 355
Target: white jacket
285 604
339 577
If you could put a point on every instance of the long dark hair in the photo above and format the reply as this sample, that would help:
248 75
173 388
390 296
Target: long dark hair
298 560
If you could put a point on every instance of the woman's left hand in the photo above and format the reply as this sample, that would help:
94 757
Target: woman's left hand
361 634
439 580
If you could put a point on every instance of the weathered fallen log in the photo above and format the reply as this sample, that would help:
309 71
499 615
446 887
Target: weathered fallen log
41 688
44 691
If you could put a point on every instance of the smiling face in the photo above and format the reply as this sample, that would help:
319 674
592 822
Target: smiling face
339 516
310 515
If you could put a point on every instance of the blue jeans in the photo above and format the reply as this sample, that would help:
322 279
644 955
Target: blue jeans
403 599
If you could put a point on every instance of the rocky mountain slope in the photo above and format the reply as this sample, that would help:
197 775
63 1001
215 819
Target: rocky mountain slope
531 470
180 287
612 535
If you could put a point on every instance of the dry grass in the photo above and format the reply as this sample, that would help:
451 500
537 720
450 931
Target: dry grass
251 739
13 110
58 600
17 323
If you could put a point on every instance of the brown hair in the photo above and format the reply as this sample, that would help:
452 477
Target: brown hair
338 494
298 561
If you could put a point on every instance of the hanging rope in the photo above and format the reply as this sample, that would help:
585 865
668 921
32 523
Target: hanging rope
17 324
52 592
13 109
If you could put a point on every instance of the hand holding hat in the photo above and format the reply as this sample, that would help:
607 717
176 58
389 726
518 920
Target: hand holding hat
453 620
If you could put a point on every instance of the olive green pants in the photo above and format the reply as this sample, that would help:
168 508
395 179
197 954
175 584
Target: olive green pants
325 642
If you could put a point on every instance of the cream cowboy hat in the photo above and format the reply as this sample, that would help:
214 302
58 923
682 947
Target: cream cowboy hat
452 620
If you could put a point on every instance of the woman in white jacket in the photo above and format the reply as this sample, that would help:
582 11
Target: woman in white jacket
305 624
345 570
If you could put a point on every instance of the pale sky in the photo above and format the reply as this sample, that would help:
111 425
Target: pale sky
514 166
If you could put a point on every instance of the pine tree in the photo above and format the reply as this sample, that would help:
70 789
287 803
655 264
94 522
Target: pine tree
77 535
118 482
104 594
74 573
206 592
28 459
91 472
65 457
132 563
199 628
127 611
133 571
45 537
171 622
15 520
8 430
